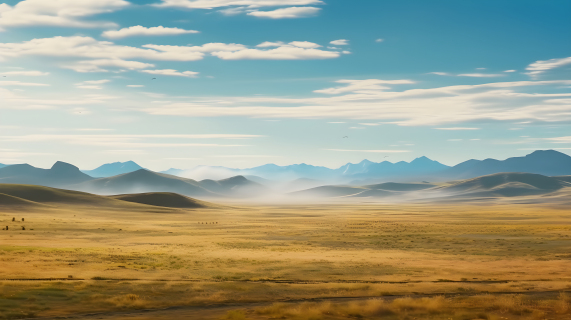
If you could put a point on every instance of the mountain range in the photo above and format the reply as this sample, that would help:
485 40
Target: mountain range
548 162
61 174
64 175
365 178
113 169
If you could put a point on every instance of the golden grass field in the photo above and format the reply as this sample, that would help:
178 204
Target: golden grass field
362 261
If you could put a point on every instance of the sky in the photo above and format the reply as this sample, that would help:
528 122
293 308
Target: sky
241 83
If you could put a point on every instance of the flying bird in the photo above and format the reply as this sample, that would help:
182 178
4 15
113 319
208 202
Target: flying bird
345 137
154 79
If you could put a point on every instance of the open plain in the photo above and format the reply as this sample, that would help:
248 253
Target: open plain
121 260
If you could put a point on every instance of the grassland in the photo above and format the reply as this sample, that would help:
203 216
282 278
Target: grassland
500 261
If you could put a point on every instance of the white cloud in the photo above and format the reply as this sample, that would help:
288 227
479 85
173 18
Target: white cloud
97 81
305 44
510 71
286 13
566 139
89 87
379 40
480 75
95 65
22 84
233 11
135 86
440 73
471 75
457 129
362 86
92 84
213 4
540 67
63 13
369 151
375 100
25 73
171 72
268 44
142 31
129 141
108 54
341 42
286 52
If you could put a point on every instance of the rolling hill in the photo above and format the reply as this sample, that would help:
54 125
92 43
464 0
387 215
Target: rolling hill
113 169
11 201
401 187
47 195
165 199
12 195
235 186
505 185
497 185
142 181
2 165
61 174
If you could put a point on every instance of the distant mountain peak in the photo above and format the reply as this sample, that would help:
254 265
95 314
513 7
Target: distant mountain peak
236 179
114 169
64 166
547 153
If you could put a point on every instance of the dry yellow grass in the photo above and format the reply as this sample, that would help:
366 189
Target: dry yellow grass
154 258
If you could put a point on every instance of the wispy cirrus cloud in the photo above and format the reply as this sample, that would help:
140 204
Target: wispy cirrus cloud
375 99
369 151
362 86
457 129
171 72
92 84
143 31
25 73
213 4
133 141
480 75
286 13
23 84
340 42
470 75
281 9
539 67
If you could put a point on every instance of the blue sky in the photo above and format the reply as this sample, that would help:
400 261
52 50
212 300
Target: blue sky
241 83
